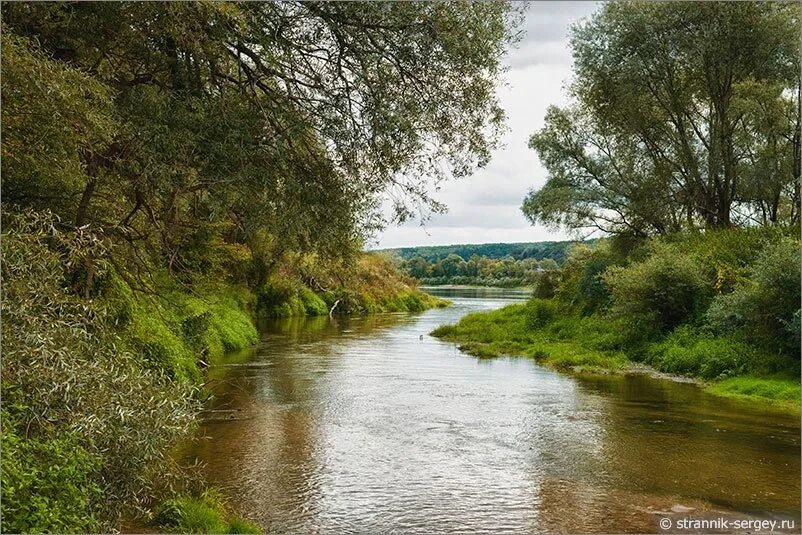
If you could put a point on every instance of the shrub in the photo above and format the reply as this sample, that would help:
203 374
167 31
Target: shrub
313 304
664 290
546 284
87 414
726 254
582 284
156 334
539 312
49 485
766 306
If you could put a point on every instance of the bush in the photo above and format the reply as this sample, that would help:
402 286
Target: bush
766 306
88 415
156 333
546 283
582 284
313 304
726 254
539 312
49 485
664 290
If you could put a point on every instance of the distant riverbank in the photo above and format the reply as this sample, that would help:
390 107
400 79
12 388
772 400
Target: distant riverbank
498 333
719 307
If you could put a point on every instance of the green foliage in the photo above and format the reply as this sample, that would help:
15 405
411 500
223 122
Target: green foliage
648 144
687 352
372 285
540 312
157 334
581 283
664 290
554 250
229 327
206 514
189 152
283 297
50 485
85 411
51 112
502 265
766 305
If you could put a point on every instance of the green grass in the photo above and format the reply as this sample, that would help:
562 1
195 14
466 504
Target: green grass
557 338
175 333
511 331
697 354
207 514
781 391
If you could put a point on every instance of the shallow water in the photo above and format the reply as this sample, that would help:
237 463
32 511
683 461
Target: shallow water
370 425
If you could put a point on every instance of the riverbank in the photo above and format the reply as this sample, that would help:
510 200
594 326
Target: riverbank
721 307
572 344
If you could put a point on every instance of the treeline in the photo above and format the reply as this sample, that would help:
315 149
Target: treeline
505 272
682 143
554 250
170 168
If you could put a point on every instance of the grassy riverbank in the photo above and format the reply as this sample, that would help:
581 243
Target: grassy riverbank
372 285
721 308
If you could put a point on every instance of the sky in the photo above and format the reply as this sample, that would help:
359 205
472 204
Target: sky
485 207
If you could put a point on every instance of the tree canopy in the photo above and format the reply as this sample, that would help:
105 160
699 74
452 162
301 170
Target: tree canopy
272 125
682 116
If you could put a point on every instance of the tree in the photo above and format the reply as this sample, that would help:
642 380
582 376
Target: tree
241 122
678 120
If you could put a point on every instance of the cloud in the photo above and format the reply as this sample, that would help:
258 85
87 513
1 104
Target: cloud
486 206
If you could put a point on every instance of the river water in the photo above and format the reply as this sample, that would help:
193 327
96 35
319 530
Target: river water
369 425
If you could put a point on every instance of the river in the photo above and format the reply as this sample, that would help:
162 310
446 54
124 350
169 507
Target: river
370 425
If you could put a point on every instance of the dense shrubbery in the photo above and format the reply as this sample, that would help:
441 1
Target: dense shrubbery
765 306
539 312
708 305
84 420
662 291
373 285
579 282
51 483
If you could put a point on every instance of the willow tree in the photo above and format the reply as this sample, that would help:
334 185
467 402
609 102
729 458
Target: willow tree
683 115
248 122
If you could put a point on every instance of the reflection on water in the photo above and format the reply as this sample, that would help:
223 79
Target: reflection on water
371 425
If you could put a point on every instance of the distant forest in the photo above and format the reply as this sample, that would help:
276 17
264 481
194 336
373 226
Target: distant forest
487 264
555 250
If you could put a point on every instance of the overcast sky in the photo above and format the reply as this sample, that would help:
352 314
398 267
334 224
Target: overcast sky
485 207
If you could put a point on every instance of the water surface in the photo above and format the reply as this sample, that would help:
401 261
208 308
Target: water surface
370 425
